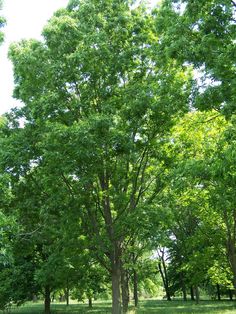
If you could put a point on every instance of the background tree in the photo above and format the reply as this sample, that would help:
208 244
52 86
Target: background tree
207 41
199 221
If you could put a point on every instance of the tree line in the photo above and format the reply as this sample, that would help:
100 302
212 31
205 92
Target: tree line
120 162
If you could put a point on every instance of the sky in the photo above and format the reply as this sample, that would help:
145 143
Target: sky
25 19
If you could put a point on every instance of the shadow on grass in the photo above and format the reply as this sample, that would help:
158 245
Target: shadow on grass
180 307
99 308
145 307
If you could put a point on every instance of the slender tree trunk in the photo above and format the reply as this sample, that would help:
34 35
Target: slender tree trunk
230 295
35 299
116 304
163 272
67 293
90 302
192 294
47 300
116 278
183 287
218 292
115 253
231 243
232 259
67 297
124 289
196 289
135 283
184 293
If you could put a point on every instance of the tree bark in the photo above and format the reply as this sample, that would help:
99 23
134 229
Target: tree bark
183 287
115 252
163 272
184 293
47 300
67 293
192 294
67 297
124 289
231 242
35 298
196 289
90 302
135 283
116 304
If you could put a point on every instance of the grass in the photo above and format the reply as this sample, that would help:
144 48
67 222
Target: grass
146 306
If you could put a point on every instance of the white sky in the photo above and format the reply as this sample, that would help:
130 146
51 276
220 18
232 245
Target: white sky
25 19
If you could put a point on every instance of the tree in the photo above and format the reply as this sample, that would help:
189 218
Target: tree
97 102
203 34
221 187
198 193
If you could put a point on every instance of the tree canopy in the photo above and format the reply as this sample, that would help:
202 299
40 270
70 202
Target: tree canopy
118 168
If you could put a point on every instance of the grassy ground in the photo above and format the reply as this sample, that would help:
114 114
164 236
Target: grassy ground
149 306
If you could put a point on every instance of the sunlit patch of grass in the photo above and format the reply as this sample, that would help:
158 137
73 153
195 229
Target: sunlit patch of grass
145 307
180 307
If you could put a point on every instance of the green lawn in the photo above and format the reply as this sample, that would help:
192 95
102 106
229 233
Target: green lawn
149 306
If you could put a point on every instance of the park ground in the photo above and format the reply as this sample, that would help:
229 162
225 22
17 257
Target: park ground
146 306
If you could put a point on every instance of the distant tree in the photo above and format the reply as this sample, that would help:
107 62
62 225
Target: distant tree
202 207
223 179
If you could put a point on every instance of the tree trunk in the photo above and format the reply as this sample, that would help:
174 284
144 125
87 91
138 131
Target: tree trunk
116 278
67 293
230 295
218 292
116 304
231 243
192 294
35 298
196 289
163 272
47 300
135 278
124 289
90 302
115 253
184 293
183 287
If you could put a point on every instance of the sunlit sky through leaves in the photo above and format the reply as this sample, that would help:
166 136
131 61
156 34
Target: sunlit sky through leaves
25 19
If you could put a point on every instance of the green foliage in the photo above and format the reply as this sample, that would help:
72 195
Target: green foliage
105 169
207 41
2 23
97 102
200 224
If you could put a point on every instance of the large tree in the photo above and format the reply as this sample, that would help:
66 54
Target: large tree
97 101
